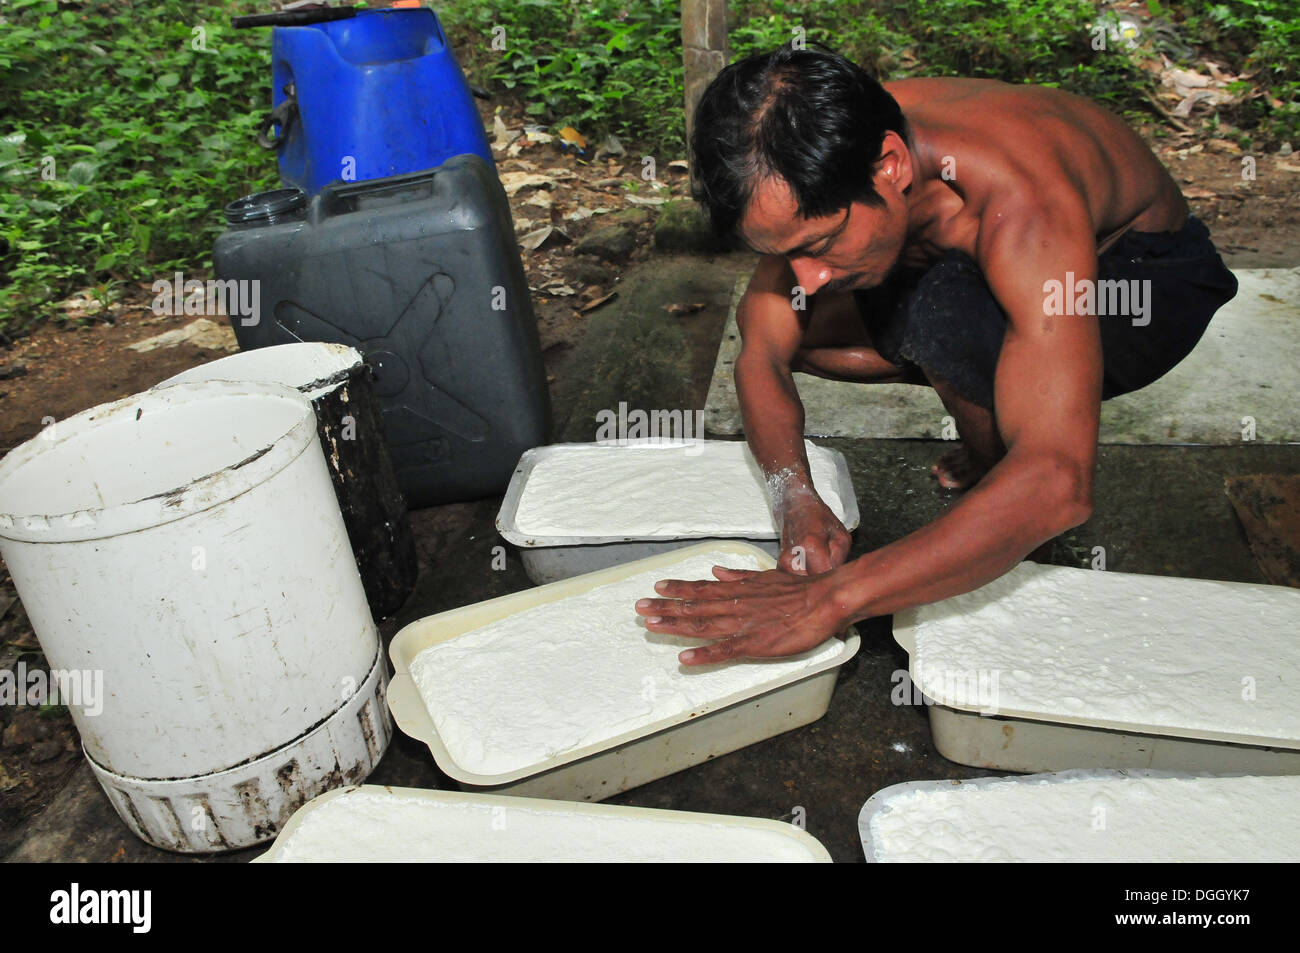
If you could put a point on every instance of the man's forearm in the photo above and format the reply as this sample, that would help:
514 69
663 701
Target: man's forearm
1019 505
774 419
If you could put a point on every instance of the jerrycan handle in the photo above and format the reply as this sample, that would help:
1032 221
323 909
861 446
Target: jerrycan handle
283 116
343 198
296 14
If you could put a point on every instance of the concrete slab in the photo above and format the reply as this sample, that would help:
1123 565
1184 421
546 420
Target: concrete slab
1240 379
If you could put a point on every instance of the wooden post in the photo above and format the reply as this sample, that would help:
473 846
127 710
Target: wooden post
704 52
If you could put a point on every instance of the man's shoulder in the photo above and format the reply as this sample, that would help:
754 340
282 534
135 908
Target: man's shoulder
941 95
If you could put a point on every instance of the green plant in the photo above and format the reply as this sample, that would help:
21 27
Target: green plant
1260 38
127 127
602 66
615 65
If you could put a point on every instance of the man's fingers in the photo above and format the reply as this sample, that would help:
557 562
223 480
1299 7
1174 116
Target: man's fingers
733 575
702 608
819 561
786 560
700 589
720 651
694 627
804 558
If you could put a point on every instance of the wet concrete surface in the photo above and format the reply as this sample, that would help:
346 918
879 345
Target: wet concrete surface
1159 510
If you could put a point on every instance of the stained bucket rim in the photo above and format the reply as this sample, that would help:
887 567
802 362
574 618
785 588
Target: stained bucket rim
349 359
156 508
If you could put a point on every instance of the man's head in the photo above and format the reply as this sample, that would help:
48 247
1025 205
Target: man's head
801 153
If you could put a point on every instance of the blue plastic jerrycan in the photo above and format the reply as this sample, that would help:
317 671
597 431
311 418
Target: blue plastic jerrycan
370 96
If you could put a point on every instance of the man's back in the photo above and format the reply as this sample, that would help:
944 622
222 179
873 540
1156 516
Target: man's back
984 139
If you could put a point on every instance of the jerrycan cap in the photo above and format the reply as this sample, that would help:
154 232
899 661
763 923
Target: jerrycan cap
266 208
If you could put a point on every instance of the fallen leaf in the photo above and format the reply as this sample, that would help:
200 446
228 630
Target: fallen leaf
501 136
538 135
593 305
514 182
545 237
610 147
1186 79
680 308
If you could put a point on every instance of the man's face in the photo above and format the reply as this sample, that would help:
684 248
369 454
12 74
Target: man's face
856 247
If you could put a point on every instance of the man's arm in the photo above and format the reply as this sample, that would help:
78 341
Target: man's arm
1047 396
771 332
1047 393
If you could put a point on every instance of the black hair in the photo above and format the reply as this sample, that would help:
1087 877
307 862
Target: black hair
809 117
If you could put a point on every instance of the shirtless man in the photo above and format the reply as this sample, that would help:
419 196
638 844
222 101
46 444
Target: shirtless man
967 257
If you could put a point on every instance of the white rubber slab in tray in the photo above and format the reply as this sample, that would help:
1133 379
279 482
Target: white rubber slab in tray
563 675
374 824
1085 816
580 507
1160 655
587 493
1244 366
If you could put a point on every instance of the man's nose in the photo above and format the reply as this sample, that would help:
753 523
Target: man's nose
811 274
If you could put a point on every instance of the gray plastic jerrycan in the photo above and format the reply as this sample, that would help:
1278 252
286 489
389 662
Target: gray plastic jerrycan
420 273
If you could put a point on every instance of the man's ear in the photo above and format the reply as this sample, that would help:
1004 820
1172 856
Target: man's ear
894 167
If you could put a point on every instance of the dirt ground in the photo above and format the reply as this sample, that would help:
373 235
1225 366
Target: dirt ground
58 371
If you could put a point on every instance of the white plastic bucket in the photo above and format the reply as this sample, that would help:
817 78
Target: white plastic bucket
187 544
336 380
293 365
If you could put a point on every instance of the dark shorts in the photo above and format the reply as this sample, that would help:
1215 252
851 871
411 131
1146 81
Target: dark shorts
945 322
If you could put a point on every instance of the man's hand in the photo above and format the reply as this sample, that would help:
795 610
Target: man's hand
751 614
813 540
772 333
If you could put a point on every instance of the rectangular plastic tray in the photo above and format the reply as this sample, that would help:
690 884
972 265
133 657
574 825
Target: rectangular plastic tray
633 758
816 852
880 801
551 558
1026 741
